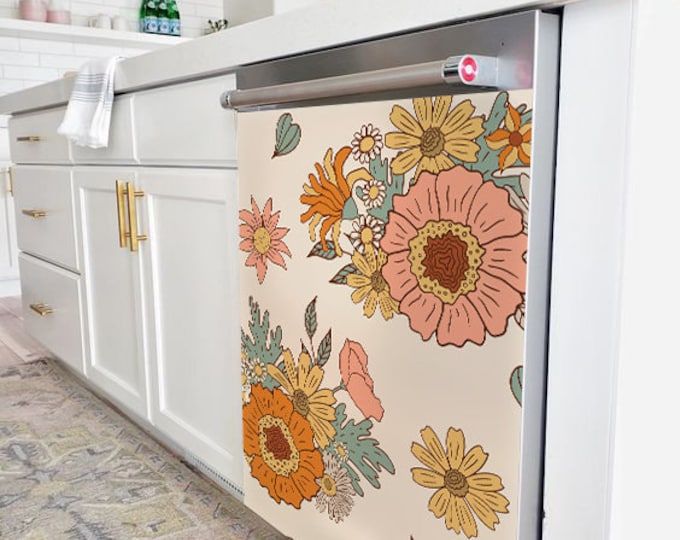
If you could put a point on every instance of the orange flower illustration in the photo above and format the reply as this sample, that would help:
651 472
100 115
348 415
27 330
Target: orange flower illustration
357 381
279 444
262 239
327 194
515 140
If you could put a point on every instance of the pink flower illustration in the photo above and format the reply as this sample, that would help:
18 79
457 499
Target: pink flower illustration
262 239
455 257
357 381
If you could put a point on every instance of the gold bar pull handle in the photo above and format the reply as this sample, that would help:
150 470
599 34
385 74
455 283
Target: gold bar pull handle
123 234
29 138
10 180
42 309
135 237
34 213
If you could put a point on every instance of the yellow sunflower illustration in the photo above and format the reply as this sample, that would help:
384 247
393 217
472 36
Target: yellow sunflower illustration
369 285
302 383
462 492
436 134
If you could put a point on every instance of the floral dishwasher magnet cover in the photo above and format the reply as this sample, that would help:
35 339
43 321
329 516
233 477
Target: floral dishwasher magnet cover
383 265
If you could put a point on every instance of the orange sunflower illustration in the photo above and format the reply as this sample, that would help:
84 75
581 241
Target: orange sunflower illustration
514 140
279 444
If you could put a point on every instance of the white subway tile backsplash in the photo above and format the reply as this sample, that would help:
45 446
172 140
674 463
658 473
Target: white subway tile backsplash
30 73
44 45
18 58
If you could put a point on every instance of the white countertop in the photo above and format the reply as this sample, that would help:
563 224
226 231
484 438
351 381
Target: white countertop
329 24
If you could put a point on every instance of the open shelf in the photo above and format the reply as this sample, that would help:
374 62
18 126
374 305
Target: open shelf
83 34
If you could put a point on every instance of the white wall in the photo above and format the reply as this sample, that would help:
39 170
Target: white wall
647 442
243 11
195 13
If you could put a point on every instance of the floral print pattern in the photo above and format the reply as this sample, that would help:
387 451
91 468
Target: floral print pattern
462 491
435 136
298 441
262 239
455 257
420 213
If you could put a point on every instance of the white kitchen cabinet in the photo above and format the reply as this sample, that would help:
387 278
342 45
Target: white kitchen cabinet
9 264
51 298
185 125
190 276
114 336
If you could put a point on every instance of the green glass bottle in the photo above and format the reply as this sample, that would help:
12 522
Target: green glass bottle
175 20
142 16
151 17
163 20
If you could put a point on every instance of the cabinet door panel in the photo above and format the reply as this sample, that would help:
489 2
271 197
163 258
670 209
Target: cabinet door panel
116 357
190 267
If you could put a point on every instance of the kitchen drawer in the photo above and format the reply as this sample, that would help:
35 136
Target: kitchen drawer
56 293
43 198
34 138
186 125
121 148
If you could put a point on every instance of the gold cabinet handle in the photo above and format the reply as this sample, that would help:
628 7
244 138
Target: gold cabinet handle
42 309
134 236
9 174
123 234
29 138
35 214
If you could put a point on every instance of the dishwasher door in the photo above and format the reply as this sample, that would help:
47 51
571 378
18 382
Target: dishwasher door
395 256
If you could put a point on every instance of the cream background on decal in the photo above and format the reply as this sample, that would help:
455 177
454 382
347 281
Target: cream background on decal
419 383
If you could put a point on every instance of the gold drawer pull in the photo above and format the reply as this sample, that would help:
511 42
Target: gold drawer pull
134 236
42 309
123 234
35 214
29 138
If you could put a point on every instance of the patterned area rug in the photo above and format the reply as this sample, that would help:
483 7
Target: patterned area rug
71 467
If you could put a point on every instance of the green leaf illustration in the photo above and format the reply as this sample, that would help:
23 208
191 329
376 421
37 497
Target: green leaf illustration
380 170
288 135
310 319
341 277
517 383
262 344
328 254
364 452
324 352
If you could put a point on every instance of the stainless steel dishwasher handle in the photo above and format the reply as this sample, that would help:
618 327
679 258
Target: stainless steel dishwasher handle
465 70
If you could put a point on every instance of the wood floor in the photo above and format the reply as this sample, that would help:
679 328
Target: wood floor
15 344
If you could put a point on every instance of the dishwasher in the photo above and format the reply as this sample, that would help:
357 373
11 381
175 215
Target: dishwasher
395 225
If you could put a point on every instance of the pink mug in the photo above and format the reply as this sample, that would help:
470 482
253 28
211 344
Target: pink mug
33 10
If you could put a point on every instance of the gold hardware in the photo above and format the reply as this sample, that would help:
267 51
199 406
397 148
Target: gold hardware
10 178
29 138
35 214
120 204
134 236
42 309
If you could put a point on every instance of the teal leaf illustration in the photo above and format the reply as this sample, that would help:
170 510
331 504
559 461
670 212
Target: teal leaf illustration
364 453
288 135
328 254
341 277
350 210
517 383
310 319
324 352
380 170
262 343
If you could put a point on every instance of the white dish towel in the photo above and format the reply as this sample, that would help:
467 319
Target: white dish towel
88 115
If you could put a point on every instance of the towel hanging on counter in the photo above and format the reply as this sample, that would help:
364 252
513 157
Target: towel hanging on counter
88 115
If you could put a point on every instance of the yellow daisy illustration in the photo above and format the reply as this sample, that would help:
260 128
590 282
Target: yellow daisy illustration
302 383
369 284
436 134
462 492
